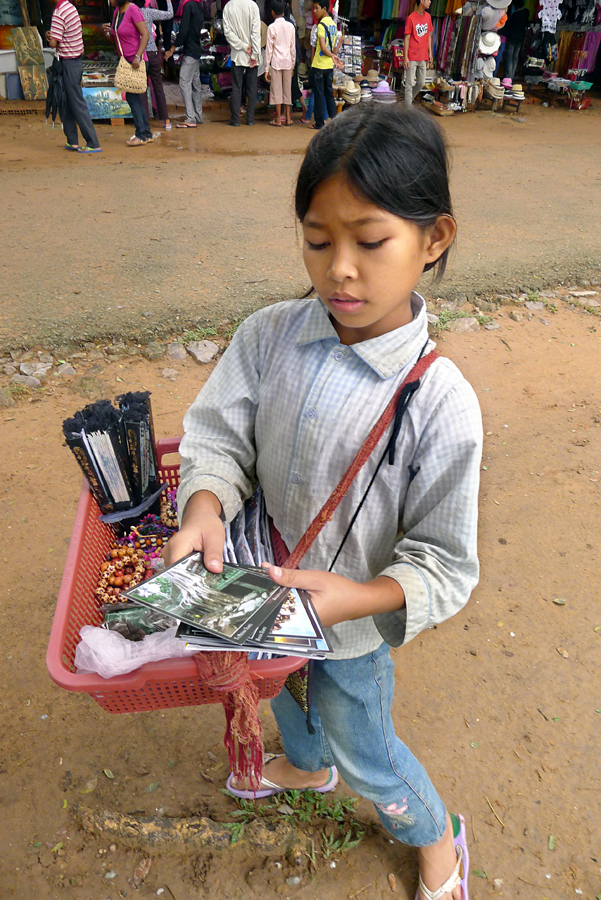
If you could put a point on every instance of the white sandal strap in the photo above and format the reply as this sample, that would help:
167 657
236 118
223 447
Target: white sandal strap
450 884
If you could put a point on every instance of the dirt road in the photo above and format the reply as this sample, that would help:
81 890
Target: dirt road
200 226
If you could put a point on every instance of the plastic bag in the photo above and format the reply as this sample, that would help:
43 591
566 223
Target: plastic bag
108 653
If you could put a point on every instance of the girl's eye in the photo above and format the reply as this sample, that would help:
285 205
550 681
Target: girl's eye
371 246
317 246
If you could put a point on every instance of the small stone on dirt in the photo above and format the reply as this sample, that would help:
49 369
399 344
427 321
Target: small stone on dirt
450 304
171 374
392 882
90 387
96 354
294 879
9 370
176 351
583 293
544 321
6 398
45 357
516 316
154 350
66 369
534 304
432 319
497 885
285 810
27 380
486 305
461 326
116 349
133 351
492 326
202 351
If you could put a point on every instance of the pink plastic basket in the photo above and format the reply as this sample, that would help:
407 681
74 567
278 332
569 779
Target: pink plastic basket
160 685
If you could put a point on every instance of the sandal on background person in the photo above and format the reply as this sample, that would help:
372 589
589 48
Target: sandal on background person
268 788
459 874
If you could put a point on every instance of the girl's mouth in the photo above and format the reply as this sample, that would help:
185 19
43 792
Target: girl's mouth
345 302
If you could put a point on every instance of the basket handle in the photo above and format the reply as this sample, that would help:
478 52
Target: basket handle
166 446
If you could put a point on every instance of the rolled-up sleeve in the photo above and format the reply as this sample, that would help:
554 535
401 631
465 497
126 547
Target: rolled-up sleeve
217 450
435 561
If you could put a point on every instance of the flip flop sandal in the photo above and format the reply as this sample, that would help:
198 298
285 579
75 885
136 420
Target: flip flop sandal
460 872
185 125
74 147
135 142
268 788
275 124
89 149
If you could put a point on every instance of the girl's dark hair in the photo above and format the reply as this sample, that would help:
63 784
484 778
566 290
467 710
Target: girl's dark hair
394 157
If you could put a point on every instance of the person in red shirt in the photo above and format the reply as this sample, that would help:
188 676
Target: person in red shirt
418 50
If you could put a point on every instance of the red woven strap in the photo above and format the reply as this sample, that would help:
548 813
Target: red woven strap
371 442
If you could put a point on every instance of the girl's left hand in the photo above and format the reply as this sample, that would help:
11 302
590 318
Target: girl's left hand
135 63
336 599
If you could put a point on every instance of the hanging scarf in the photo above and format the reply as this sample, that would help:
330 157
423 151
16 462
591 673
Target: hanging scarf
228 673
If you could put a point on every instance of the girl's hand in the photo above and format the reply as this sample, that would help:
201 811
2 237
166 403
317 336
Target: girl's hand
338 599
334 597
202 530
135 62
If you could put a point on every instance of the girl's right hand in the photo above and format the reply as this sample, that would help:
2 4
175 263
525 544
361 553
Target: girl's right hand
202 530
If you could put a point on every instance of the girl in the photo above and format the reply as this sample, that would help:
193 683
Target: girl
290 405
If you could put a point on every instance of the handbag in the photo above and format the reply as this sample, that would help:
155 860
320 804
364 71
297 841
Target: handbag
299 683
128 79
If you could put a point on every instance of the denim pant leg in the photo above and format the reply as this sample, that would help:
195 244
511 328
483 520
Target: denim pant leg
320 98
354 698
139 116
328 78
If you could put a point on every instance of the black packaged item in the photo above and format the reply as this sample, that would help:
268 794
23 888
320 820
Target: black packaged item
96 437
139 433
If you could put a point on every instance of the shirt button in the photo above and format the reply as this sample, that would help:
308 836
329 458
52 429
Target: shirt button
339 355
310 413
289 538
295 479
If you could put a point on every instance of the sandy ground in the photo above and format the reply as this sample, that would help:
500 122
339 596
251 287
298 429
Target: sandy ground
200 225
502 703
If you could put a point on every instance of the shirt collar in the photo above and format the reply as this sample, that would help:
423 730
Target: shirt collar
387 354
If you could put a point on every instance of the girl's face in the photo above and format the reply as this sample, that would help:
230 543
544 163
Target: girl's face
365 262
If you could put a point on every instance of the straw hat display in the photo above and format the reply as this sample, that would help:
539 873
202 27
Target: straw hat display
494 89
373 78
516 92
351 92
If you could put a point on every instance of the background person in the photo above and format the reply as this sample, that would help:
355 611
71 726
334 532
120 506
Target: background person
280 57
514 32
418 50
242 30
128 24
322 65
155 77
66 36
188 43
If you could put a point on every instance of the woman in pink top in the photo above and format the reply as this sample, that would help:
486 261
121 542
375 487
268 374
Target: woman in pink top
128 30
280 56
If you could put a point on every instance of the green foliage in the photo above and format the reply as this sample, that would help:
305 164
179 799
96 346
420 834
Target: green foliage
200 334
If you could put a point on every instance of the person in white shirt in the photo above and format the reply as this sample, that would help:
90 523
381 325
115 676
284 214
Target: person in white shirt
242 29
280 57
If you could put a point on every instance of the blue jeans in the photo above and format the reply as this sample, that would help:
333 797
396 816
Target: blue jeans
139 115
310 106
512 52
321 83
352 699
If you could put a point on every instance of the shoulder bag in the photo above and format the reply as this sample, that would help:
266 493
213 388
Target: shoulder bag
128 79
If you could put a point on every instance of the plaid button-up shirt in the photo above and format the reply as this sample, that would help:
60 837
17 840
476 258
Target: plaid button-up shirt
289 406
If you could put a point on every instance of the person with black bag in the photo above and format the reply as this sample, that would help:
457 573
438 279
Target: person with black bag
66 36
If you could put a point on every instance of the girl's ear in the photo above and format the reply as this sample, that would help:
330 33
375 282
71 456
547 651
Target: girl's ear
439 237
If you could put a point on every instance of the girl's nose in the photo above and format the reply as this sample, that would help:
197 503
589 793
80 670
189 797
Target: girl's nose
342 266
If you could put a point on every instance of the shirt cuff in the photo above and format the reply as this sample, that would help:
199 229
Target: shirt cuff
225 493
400 626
